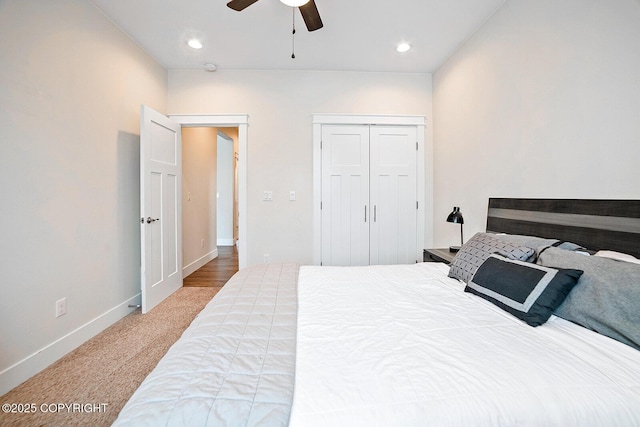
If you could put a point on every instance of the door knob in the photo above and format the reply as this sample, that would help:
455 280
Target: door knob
150 220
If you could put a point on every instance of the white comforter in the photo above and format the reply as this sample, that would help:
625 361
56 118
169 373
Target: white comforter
404 345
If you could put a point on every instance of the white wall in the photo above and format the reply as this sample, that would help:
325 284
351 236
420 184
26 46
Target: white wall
543 101
280 105
199 158
71 88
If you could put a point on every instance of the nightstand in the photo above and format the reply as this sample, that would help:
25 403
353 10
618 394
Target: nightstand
438 255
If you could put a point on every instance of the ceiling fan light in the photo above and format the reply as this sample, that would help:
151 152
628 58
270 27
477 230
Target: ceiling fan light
403 47
295 3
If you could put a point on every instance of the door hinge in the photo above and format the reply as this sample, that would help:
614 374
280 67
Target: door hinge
416 145
321 205
321 144
416 204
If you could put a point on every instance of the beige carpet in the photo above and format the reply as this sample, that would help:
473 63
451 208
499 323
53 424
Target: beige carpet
106 369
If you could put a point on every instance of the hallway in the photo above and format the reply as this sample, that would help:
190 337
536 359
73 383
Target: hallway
216 272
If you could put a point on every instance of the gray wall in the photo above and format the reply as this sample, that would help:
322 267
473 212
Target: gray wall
280 105
543 101
71 88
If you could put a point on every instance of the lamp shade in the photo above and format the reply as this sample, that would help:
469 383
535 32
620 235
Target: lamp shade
455 216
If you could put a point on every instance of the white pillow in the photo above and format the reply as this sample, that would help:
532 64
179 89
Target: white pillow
618 256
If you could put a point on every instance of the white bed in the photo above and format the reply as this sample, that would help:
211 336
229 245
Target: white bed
404 345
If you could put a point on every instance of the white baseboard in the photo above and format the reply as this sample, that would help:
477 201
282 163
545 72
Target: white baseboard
187 270
226 242
21 371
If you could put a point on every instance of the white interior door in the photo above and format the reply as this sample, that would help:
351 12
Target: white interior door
160 207
224 191
345 195
393 194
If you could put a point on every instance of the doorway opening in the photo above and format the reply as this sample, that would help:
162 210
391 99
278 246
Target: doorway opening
209 200
240 124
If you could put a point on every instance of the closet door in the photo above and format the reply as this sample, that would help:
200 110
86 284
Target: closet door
393 195
345 195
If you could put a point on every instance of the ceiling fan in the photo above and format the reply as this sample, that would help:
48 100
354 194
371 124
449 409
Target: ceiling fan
307 8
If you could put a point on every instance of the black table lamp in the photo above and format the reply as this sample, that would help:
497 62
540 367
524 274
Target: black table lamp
456 218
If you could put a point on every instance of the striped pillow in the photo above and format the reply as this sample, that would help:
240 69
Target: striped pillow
477 250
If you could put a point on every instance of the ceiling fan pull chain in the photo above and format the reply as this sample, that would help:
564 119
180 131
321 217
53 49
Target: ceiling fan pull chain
293 34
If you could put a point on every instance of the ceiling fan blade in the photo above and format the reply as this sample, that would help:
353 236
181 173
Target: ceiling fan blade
240 4
311 16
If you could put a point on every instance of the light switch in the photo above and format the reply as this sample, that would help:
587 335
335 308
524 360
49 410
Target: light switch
268 196
292 196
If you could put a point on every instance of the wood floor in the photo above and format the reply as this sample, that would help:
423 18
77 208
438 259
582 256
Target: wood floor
216 272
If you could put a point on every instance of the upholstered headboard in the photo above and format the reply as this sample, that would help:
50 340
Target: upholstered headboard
595 224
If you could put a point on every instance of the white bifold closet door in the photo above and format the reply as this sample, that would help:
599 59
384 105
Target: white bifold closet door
392 193
345 195
369 207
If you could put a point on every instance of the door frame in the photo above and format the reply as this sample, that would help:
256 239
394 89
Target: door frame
241 121
424 209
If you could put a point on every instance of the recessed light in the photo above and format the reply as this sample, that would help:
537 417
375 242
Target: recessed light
195 44
403 47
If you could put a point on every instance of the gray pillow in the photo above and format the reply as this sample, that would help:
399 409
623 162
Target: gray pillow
537 242
606 298
476 251
528 291
528 241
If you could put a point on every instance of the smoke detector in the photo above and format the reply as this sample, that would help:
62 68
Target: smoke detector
210 67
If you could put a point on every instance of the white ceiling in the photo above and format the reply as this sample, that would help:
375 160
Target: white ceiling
358 35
